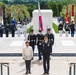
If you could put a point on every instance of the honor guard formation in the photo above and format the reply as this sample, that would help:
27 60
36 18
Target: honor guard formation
44 44
67 28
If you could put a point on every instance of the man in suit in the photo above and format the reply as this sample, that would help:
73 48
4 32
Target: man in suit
40 39
46 51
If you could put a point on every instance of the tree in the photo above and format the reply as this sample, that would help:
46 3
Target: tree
60 6
44 5
31 8
23 12
53 6
3 8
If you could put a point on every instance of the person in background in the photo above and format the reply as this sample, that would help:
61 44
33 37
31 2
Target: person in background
13 30
72 28
18 26
60 28
66 29
24 27
46 51
1 30
7 29
27 56
40 39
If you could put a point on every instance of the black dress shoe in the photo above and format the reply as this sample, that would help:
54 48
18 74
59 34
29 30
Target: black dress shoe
29 72
47 72
26 73
44 73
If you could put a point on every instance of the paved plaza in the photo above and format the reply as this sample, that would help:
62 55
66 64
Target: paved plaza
58 64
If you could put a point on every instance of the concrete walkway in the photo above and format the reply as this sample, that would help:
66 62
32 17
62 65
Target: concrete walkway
17 66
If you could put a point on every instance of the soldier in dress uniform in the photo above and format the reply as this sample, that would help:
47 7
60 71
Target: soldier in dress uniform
60 28
72 28
67 29
40 39
24 27
13 30
46 51
32 39
18 26
1 30
50 36
7 29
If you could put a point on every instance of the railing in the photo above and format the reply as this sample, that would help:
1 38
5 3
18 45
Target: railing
4 68
72 69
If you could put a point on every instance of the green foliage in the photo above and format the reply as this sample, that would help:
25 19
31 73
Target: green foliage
56 7
31 8
23 12
28 30
44 5
2 5
55 27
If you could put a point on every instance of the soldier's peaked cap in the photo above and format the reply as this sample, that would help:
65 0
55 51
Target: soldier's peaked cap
40 30
48 29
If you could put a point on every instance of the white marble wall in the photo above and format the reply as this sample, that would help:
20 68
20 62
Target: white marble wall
46 19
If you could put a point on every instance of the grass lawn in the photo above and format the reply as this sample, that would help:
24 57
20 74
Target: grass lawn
28 30
55 27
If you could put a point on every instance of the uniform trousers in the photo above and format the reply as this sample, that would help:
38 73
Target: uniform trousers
28 64
33 47
19 33
46 64
25 33
13 33
39 51
6 33
1 33
66 33
72 33
60 33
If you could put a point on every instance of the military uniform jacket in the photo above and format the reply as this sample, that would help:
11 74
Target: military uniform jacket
66 28
46 49
50 37
32 39
40 39
60 27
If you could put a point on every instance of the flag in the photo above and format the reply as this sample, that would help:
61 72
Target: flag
73 10
67 18
40 18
